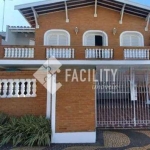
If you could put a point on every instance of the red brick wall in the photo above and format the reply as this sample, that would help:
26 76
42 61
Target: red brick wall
22 106
83 18
75 102
75 105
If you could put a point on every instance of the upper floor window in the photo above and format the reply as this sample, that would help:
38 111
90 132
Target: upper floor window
131 38
57 38
95 38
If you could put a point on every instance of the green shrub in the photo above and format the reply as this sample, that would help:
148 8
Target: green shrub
3 118
27 130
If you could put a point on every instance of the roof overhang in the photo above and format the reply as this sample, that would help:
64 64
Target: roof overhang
49 6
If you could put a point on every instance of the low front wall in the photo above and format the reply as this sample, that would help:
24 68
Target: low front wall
22 106
75 104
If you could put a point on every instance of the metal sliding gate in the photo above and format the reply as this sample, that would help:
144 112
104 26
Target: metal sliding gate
125 101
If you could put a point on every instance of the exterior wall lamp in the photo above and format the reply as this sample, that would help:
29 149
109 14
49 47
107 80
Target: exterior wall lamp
76 30
114 31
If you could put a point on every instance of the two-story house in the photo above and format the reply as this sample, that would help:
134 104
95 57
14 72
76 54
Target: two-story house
108 40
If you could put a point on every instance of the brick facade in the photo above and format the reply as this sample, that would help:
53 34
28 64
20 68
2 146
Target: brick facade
83 18
75 104
23 106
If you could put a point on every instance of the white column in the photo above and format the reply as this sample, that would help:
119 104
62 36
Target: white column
19 53
48 106
4 88
32 53
16 52
9 52
10 88
34 88
28 87
53 115
13 52
26 53
6 52
16 88
22 88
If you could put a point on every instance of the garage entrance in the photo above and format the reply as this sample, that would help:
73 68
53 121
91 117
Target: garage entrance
124 102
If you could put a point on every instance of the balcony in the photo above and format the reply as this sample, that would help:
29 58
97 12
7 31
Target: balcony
74 53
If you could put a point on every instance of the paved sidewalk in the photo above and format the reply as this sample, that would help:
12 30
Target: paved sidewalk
106 140
112 140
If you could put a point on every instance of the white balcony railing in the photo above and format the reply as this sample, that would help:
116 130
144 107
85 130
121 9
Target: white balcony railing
99 53
60 52
136 53
19 53
17 88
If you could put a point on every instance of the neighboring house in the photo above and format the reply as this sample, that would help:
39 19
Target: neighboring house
18 35
81 34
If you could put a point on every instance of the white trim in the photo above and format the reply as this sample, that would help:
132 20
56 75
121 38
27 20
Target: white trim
37 63
98 31
35 17
133 4
53 114
142 42
36 4
48 105
95 99
55 1
74 137
23 30
148 21
56 30
66 9
7 34
95 14
122 13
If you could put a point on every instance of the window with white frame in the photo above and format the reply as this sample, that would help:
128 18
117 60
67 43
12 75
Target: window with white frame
95 38
17 88
57 38
131 38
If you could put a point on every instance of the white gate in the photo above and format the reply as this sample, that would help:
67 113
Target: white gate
125 102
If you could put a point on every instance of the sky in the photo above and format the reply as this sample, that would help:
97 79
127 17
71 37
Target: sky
14 18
